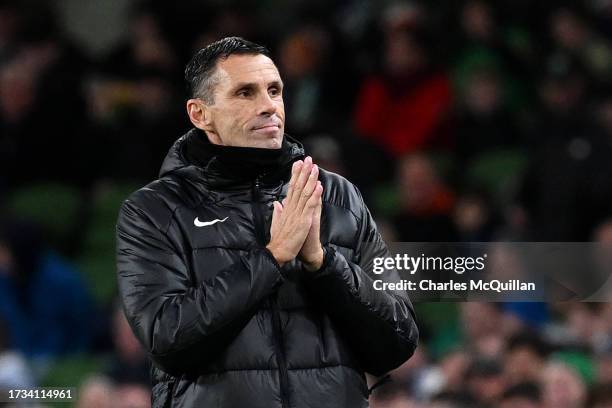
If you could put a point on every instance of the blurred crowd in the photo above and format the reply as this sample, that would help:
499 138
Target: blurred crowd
458 120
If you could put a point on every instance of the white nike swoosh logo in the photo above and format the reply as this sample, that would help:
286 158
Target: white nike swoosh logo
199 223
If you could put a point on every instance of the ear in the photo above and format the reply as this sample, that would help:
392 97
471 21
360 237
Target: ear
196 111
201 116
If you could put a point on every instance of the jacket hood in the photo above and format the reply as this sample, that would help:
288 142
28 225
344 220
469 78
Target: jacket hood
217 173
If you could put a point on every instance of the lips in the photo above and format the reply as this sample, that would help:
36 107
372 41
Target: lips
269 123
267 126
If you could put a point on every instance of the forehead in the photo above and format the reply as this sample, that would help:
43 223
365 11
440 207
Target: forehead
247 68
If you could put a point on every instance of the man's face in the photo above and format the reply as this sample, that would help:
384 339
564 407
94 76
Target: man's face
248 107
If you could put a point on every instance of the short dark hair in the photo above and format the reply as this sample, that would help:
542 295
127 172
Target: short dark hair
531 340
199 73
526 390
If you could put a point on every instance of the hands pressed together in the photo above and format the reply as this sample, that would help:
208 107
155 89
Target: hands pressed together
296 222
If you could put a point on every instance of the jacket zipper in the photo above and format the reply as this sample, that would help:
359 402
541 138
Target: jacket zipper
283 375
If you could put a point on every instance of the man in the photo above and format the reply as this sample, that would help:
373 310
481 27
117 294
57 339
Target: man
243 270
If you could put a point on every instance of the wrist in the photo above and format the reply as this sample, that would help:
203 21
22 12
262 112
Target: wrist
277 253
315 262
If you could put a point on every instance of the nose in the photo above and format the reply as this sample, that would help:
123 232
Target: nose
267 106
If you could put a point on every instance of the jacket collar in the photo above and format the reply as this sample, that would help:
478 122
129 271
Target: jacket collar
215 171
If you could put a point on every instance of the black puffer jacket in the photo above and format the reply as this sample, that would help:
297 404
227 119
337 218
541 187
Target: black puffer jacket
223 325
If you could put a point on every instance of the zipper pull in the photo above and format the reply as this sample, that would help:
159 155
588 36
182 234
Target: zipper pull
256 189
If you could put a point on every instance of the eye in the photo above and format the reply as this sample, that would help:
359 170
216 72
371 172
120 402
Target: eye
274 91
244 92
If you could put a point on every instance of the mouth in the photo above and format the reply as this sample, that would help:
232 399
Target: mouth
267 126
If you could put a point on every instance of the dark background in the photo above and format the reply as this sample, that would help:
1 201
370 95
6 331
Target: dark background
458 120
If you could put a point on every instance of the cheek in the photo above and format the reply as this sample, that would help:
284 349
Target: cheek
229 118
280 110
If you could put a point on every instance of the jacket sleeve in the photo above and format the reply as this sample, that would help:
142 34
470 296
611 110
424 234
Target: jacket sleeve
181 325
379 325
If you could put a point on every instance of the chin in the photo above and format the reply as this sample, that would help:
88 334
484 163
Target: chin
270 141
276 143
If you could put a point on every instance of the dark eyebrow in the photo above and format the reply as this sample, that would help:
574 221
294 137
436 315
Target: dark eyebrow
278 84
251 85
241 85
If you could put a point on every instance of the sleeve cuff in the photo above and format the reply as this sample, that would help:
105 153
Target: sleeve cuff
268 254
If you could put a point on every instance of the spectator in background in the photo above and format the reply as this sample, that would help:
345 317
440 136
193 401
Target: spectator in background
596 203
395 395
483 42
603 364
132 101
562 387
525 357
484 122
312 99
43 299
477 23
404 108
601 396
484 328
14 369
473 218
425 202
132 395
454 367
553 189
325 150
146 48
452 399
522 395
486 381
100 392
42 116
570 33
96 392
129 364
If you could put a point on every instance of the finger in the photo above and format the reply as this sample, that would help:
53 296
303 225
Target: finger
276 212
301 181
319 192
310 186
317 212
295 172
315 198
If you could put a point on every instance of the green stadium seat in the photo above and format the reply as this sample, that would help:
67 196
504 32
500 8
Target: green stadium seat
71 371
107 200
97 259
100 272
54 206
